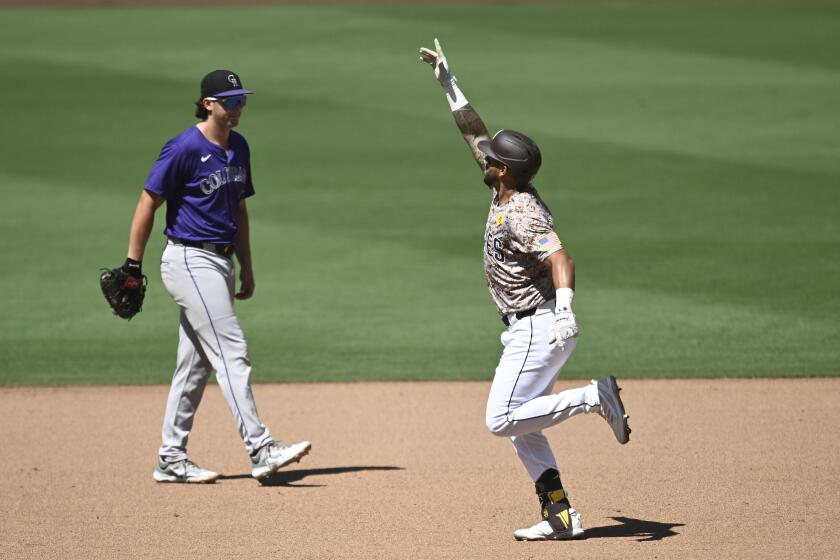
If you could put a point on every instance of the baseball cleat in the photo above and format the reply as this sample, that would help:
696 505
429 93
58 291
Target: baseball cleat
182 471
612 409
543 531
275 455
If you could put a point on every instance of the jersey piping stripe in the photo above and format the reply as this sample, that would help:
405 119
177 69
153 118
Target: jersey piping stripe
221 354
525 361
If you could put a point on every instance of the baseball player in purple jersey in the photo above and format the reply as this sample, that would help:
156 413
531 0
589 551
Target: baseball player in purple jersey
204 176
531 280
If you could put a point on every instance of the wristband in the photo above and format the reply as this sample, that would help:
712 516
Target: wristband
564 299
133 268
454 96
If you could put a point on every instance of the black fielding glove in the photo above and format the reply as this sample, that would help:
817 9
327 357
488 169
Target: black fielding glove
124 288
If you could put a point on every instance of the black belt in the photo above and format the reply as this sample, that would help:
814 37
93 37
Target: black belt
224 249
519 315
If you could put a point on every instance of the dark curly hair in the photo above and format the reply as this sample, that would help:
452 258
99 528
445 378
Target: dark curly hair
200 111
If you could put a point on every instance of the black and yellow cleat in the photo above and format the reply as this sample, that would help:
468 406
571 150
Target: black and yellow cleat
559 519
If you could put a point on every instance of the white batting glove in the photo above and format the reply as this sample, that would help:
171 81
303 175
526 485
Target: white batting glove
565 324
437 60
564 328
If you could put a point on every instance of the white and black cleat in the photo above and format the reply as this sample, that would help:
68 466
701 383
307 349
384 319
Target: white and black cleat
276 455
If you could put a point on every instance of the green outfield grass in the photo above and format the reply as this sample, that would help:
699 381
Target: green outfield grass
691 162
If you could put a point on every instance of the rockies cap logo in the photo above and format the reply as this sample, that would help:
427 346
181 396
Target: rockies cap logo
221 82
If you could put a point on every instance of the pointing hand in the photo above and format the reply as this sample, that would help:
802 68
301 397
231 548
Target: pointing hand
437 60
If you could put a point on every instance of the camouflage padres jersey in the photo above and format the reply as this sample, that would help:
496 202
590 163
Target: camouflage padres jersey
519 236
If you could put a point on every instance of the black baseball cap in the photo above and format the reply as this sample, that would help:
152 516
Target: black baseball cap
222 83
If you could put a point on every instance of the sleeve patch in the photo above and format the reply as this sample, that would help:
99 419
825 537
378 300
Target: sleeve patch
549 242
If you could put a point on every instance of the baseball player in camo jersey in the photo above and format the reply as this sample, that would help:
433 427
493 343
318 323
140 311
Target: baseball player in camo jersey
204 176
531 280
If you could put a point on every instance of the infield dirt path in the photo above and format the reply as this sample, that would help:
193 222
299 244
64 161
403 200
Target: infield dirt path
715 469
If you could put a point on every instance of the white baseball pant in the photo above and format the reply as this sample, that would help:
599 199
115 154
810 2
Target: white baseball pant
521 404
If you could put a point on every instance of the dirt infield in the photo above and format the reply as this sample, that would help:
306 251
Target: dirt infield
725 469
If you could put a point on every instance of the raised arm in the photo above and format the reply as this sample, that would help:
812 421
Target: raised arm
469 123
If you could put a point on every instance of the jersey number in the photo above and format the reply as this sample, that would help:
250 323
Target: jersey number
493 247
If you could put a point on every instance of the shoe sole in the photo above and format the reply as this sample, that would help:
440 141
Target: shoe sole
163 477
262 475
608 393
576 534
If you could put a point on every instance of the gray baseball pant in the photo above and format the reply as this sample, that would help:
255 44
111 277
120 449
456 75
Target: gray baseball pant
201 282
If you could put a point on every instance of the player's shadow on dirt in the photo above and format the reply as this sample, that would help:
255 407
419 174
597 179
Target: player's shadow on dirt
287 478
629 527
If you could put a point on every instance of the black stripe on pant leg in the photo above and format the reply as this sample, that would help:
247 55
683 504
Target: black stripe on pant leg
525 361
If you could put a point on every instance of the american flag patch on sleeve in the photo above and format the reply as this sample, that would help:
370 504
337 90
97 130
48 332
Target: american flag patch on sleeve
549 242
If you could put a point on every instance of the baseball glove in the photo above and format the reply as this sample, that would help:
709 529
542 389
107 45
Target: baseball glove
124 292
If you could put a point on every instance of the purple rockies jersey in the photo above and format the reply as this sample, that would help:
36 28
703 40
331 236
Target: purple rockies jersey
202 185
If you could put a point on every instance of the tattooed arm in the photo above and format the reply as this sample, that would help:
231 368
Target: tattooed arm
473 130
468 121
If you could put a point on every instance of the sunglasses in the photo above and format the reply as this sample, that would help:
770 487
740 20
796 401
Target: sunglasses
230 102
